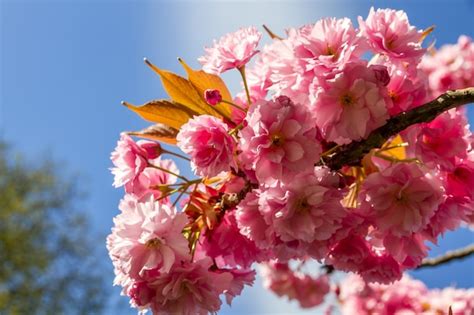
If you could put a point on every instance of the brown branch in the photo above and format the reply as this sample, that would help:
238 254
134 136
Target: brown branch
352 153
447 257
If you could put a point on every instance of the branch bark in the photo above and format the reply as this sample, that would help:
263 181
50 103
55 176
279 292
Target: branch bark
447 257
352 153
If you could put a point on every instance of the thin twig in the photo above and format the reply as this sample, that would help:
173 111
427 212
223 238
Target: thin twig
447 257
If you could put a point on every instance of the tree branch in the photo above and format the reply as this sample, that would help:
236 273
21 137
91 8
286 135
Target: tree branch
447 257
352 153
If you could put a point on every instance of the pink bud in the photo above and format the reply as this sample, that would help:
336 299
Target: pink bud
152 149
213 97
381 74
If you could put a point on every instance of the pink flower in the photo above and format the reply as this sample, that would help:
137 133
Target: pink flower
212 97
401 199
130 158
349 253
240 278
443 140
189 289
252 223
327 45
227 246
402 297
307 290
311 291
146 236
451 67
380 268
279 140
460 182
352 105
449 216
408 250
233 50
279 278
304 210
389 33
461 301
148 182
407 296
205 138
405 90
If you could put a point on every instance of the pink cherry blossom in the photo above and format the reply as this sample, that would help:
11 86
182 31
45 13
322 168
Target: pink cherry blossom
449 216
460 182
205 138
407 296
309 291
349 253
233 50
304 209
278 278
451 67
241 277
352 105
146 236
389 32
407 250
252 223
227 246
443 140
328 45
381 269
401 199
277 70
406 90
402 297
189 289
148 181
130 158
279 140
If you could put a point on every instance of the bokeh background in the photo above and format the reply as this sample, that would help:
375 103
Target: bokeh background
66 65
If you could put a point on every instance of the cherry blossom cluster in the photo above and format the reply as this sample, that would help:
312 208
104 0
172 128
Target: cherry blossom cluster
261 193
407 296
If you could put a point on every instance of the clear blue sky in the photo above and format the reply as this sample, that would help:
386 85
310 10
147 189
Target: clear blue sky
66 65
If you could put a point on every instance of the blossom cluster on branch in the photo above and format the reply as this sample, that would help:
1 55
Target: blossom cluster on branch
263 192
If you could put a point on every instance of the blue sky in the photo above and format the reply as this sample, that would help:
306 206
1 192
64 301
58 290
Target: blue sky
66 65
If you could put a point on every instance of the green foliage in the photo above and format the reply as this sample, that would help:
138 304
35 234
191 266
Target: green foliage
47 265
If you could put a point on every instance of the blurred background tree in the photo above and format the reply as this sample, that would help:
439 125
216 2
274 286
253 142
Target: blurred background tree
48 263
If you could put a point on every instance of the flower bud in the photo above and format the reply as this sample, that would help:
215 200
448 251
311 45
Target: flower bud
381 74
212 96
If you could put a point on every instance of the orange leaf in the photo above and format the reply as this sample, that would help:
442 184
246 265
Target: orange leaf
183 92
396 148
159 132
165 112
203 81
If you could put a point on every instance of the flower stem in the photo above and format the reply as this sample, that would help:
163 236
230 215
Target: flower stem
169 172
242 73
176 154
234 105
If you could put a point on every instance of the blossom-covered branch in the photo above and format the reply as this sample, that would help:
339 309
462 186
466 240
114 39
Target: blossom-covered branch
447 257
352 153
265 189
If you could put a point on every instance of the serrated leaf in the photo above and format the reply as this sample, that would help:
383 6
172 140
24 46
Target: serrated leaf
203 81
165 112
183 92
159 132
